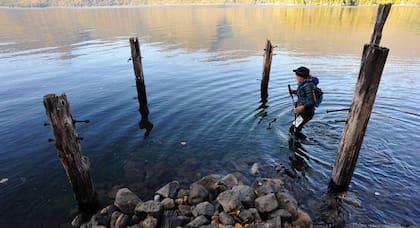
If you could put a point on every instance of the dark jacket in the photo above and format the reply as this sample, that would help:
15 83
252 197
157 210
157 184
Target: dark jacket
305 93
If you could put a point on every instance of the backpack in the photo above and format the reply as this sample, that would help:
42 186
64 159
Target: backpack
318 96
317 92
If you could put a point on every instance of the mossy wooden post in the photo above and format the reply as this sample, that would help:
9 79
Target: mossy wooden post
141 88
268 56
69 150
372 64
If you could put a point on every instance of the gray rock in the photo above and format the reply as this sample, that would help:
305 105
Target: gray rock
204 208
156 198
266 186
259 226
111 208
182 193
230 200
275 222
213 225
184 210
168 203
122 221
282 213
198 194
303 220
246 195
135 219
102 219
266 203
126 200
256 215
230 180
149 222
183 219
287 202
209 181
245 216
226 219
255 169
228 226
134 226
115 215
213 184
197 222
150 207
170 190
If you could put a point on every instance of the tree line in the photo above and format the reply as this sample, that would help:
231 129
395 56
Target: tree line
80 3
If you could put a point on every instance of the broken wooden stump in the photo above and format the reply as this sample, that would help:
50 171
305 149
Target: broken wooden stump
268 56
141 87
372 65
69 150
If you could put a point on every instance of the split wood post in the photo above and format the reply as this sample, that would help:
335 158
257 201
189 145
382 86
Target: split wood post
141 88
69 150
372 64
268 56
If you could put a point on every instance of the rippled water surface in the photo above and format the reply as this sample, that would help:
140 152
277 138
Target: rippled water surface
202 68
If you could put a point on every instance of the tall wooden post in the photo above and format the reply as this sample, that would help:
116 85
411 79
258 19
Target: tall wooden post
268 56
372 64
141 88
69 150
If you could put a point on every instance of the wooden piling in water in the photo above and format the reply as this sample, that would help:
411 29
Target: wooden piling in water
141 87
372 64
69 150
268 56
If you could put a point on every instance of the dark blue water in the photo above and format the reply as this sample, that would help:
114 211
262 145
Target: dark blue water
202 68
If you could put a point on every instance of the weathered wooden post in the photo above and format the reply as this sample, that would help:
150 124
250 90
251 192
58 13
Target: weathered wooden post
268 56
372 64
141 88
69 150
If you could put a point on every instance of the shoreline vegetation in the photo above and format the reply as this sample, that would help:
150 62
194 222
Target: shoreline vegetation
96 3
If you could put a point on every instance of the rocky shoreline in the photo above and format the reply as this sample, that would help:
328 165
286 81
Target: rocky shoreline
213 201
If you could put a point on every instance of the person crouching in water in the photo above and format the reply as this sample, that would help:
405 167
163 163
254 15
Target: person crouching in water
305 107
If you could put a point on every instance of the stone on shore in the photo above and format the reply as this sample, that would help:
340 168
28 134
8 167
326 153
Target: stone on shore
266 203
149 222
230 200
198 193
204 208
126 201
246 195
197 222
226 219
170 190
150 207
230 180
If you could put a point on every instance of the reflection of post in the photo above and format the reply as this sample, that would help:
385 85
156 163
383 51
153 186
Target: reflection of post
373 61
141 88
268 56
69 150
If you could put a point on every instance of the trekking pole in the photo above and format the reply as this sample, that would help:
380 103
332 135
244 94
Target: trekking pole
294 105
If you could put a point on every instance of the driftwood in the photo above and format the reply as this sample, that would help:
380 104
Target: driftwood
69 150
141 87
372 65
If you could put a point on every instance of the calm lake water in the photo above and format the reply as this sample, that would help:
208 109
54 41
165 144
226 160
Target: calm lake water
202 67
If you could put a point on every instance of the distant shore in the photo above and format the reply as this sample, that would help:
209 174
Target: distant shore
145 3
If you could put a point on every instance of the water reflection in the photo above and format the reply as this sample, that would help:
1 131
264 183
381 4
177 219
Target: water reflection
313 31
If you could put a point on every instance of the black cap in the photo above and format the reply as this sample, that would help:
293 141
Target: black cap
302 71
